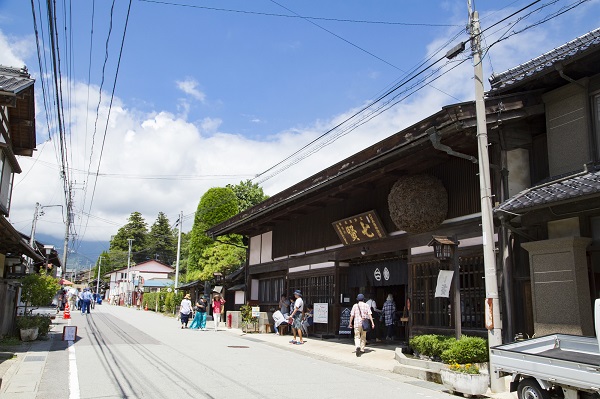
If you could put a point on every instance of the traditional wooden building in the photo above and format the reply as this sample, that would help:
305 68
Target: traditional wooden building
364 224
17 138
552 223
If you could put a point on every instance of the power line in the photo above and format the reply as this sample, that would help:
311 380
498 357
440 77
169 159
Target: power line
298 16
111 101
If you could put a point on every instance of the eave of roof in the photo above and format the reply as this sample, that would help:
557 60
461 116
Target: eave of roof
452 120
580 185
545 63
17 93
14 80
11 241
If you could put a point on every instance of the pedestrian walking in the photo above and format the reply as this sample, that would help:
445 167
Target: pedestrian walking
72 298
79 303
199 321
296 318
86 298
360 311
217 306
372 304
389 310
185 308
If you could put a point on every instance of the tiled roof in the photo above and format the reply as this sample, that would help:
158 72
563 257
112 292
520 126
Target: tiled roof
573 186
158 282
14 80
545 62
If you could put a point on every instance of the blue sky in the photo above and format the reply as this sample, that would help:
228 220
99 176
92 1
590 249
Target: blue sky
208 97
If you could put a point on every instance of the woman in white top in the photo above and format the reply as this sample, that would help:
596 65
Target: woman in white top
185 309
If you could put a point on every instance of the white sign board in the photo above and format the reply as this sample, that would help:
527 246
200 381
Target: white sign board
255 311
69 333
442 290
321 313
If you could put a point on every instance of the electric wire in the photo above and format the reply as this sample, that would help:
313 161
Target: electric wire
110 104
354 45
296 16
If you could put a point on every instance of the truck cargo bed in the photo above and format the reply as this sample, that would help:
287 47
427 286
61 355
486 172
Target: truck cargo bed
559 358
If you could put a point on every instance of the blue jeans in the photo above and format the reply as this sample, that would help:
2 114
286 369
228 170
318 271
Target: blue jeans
85 307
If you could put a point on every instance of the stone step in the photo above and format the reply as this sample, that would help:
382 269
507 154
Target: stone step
418 372
418 363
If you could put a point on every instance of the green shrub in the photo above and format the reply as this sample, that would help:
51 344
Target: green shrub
38 289
466 350
431 345
41 322
246 312
167 301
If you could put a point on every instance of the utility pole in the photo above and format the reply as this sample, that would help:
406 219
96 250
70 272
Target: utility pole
32 236
129 240
34 224
98 282
178 252
492 304
66 245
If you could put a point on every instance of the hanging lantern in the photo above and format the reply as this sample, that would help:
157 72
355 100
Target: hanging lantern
443 247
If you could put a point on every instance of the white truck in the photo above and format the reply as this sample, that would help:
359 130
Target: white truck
557 365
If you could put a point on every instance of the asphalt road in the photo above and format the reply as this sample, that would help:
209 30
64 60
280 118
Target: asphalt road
125 353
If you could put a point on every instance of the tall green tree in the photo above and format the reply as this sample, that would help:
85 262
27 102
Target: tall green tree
162 240
216 205
137 229
221 257
248 194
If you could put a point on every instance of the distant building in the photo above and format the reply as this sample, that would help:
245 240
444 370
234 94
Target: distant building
126 291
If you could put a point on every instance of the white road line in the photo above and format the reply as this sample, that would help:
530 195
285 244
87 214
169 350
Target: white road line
73 377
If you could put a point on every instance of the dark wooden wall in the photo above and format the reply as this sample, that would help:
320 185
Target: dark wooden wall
314 229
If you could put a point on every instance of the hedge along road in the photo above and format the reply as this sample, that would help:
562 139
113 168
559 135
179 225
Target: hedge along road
124 352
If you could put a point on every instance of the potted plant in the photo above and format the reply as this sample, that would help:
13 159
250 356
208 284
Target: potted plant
28 327
462 375
465 378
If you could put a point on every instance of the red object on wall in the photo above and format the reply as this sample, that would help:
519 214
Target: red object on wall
229 320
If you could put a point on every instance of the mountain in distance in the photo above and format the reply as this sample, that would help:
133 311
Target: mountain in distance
80 258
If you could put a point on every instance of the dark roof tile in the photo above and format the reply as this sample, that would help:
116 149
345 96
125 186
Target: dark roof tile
545 62
565 188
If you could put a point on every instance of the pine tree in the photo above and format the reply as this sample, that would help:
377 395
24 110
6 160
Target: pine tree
136 229
162 240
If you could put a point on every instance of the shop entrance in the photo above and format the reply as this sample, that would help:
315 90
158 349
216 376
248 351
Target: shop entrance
400 319
377 279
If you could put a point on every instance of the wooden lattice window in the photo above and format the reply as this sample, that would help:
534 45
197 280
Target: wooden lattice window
317 289
429 311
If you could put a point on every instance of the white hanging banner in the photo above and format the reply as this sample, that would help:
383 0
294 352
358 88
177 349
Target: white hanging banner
442 290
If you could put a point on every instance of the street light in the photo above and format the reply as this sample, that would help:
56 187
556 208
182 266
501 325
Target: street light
48 249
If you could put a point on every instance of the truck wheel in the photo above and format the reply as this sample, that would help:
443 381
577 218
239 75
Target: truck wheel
530 389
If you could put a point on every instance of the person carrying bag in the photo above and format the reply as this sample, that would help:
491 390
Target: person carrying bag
360 323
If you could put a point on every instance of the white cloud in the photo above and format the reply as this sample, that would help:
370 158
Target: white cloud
161 161
14 50
190 86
